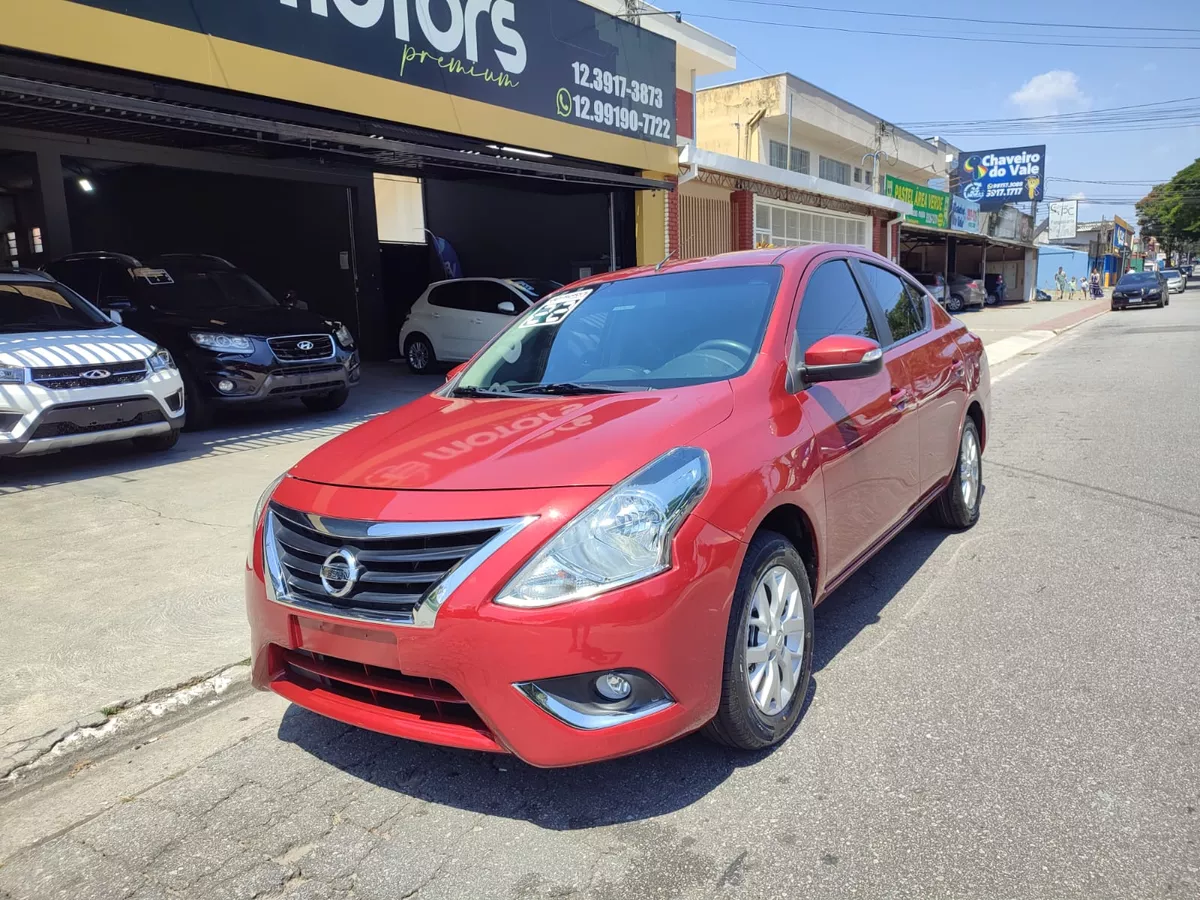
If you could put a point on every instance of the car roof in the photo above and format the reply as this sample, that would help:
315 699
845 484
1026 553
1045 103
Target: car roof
23 276
161 260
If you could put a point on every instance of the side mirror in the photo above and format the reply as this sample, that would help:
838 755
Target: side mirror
453 373
292 301
115 316
841 357
116 303
507 307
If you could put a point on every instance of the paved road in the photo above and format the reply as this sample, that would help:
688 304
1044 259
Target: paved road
1008 713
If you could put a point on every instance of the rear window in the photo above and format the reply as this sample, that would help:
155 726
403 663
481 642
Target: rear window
45 308
535 288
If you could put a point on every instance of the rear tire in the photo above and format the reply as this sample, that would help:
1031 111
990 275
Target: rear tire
198 408
419 355
955 303
958 505
772 570
157 443
335 399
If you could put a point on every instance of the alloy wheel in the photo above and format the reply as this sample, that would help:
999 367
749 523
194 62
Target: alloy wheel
968 468
775 640
418 355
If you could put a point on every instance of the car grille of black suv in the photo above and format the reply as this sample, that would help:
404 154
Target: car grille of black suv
62 378
400 564
300 347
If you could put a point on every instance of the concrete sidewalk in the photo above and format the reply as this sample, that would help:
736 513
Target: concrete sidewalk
1011 330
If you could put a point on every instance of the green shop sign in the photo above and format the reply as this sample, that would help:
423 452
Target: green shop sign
930 208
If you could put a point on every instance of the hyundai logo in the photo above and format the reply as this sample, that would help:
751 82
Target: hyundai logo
96 374
304 345
340 572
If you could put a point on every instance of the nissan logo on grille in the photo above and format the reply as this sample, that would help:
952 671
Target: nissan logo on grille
96 374
339 573
304 345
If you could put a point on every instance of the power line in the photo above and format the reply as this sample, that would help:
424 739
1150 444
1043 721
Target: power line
896 15
940 37
1087 114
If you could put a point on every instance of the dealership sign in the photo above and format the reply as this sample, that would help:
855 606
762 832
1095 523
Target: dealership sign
964 215
930 207
560 59
992 178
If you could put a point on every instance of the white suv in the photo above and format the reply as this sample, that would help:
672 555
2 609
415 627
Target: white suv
70 376
453 319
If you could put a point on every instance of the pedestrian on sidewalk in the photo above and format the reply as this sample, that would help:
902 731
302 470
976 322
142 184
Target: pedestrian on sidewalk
1097 291
1000 288
1072 288
1060 279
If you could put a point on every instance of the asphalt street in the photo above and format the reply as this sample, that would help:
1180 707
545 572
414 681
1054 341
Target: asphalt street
1011 712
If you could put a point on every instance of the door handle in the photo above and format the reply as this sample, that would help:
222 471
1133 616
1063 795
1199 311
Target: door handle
900 397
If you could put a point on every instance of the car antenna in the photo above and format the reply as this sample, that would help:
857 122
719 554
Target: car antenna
666 259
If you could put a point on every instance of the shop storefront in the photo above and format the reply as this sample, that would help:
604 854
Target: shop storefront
324 144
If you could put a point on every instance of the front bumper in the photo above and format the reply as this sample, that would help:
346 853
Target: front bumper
36 420
457 680
1128 302
260 375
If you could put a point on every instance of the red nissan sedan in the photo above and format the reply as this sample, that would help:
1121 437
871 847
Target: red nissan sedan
610 528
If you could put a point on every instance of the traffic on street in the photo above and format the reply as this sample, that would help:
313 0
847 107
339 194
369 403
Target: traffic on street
786 502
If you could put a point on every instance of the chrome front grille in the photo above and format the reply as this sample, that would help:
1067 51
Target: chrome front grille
300 347
404 571
61 378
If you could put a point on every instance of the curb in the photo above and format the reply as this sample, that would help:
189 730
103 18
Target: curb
51 751
1010 347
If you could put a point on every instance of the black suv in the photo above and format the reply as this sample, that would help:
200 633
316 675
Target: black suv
234 342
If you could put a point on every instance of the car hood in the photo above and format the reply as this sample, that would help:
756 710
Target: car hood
83 347
266 321
446 444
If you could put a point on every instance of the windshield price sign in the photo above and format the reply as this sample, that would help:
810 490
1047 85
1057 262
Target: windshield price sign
993 178
560 59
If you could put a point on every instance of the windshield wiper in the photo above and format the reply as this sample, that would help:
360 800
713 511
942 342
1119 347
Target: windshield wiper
464 391
568 388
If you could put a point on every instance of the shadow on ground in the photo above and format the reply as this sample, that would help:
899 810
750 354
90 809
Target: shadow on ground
384 387
649 784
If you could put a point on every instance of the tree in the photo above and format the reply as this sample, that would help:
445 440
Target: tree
1171 211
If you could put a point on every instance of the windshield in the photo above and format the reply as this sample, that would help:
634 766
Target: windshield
207 289
1138 279
1172 273
642 333
45 307
535 288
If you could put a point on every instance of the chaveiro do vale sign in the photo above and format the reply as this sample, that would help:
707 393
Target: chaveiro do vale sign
993 178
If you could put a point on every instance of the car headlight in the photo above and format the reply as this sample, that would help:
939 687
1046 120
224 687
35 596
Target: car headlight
344 337
623 537
161 361
259 507
12 374
223 343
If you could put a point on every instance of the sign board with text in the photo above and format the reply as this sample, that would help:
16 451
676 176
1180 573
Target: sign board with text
1064 220
559 59
930 208
964 215
993 178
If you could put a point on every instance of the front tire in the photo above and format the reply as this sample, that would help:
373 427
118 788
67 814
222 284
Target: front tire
198 409
958 504
419 355
956 303
768 648
335 399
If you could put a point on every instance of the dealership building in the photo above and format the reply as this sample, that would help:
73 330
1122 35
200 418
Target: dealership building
322 144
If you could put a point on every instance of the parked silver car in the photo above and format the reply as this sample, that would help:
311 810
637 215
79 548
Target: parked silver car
964 290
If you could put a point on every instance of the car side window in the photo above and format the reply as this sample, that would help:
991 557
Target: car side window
889 290
452 295
832 304
115 283
490 294
919 302
80 275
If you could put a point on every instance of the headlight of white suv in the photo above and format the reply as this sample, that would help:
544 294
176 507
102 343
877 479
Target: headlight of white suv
12 374
223 343
161 361
623 537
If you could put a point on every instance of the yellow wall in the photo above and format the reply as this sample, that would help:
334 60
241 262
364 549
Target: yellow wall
651 209
720 109
83 33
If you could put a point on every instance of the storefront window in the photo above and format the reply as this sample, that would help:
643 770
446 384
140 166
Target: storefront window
782 225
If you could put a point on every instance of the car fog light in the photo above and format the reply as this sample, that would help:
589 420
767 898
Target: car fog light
225 385
613 686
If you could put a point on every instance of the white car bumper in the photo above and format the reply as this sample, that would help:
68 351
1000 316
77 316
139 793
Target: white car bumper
42 417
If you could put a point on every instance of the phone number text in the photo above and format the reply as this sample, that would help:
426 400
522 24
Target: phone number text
603 113
596 79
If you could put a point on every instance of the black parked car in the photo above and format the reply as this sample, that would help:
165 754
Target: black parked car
1141 289
234 342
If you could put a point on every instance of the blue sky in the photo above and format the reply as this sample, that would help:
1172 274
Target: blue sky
907 79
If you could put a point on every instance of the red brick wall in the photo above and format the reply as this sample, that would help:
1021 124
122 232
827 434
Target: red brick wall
741 205
673 219
683 112
879 236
